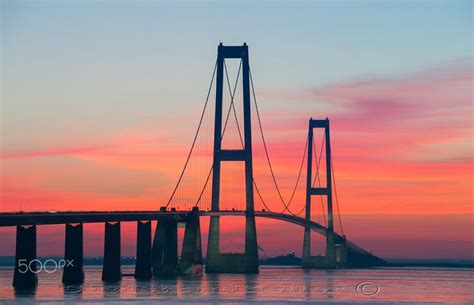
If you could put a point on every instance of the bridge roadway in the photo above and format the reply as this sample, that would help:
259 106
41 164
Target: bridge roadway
56 217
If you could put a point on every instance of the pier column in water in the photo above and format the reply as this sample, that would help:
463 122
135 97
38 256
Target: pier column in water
170 251
73 272
191 254
25 257
111 270
143 261
341 253
165 246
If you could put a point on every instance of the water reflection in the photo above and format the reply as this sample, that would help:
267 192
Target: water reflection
331 288
211 285
271 284
168 286
111 290
25 292
190 286
72 291
307 283
251 286
143 288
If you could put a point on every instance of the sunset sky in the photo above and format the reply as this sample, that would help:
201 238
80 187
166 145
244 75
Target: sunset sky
100 102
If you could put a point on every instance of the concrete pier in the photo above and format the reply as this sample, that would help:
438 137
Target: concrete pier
170 251
143 261
73 272
112 270
213 247
157 248
251 247
246 262
330 250
306 244
25 258
198 265
341 253
191 253
333 258
165 248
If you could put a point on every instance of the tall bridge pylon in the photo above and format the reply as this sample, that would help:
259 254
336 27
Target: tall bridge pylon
335 253
246 262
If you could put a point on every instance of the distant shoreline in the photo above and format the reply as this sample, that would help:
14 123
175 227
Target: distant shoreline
284 260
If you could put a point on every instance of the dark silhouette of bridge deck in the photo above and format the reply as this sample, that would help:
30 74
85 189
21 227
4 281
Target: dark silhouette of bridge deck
55 218
65 217
26 222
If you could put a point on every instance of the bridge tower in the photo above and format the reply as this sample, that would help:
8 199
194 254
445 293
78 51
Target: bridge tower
328 260
230 262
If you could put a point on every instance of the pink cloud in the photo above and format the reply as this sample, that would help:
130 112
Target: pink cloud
430 106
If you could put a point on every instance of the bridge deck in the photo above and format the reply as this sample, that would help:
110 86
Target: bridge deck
53 217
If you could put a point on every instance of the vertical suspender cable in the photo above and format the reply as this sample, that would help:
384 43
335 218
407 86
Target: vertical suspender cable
223 130
195 137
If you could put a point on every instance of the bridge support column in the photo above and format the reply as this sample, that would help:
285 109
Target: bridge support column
198 264
143 261
213 245
306 258
341 253
246 262
165 248
157 247
73 272
251 248
111 270
330 251
191 253
25 257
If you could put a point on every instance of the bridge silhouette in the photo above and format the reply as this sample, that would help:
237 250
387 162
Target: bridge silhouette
157 255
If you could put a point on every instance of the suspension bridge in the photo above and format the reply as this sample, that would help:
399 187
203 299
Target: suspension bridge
221 149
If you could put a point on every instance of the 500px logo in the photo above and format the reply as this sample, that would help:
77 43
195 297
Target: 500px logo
49 265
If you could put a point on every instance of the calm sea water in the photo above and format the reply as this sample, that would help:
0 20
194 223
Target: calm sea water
274 285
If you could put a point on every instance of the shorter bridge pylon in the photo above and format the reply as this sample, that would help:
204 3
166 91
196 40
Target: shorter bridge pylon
336 251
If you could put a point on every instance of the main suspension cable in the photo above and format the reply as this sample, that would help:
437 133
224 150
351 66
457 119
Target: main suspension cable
335 193
266 149
298 179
